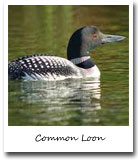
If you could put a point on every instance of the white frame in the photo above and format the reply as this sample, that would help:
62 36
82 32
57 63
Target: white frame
22 139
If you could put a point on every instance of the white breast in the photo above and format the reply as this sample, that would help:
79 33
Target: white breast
93 72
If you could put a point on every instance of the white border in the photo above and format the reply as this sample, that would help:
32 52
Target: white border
21 139
68 2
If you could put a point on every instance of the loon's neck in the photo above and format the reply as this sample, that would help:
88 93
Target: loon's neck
77 47
78 50
84 62
87 66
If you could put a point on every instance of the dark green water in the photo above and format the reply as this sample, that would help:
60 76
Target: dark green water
47 29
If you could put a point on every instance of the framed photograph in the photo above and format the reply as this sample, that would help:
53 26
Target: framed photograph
69 85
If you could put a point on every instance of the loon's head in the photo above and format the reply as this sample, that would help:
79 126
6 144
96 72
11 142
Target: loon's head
87 38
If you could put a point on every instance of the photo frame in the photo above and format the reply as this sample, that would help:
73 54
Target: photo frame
107 138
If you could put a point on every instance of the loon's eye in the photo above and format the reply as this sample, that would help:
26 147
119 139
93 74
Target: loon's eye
94 36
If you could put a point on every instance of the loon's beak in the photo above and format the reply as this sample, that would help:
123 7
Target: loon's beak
110 38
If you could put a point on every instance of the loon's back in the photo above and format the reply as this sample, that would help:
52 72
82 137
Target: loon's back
42 68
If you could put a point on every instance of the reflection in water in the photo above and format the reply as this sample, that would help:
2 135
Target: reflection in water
54 92
60 102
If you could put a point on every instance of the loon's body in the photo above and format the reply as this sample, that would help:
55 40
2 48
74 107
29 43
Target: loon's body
41 67
78 65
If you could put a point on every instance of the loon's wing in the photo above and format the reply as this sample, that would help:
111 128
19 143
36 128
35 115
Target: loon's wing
41 67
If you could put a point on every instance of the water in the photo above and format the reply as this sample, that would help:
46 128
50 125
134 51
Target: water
79 102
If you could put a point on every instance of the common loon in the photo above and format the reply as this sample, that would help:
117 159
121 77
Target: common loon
77 65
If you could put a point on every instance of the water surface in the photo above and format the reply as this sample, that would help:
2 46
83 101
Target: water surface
80 102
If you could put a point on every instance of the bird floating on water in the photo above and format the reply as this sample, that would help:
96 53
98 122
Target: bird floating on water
77 65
